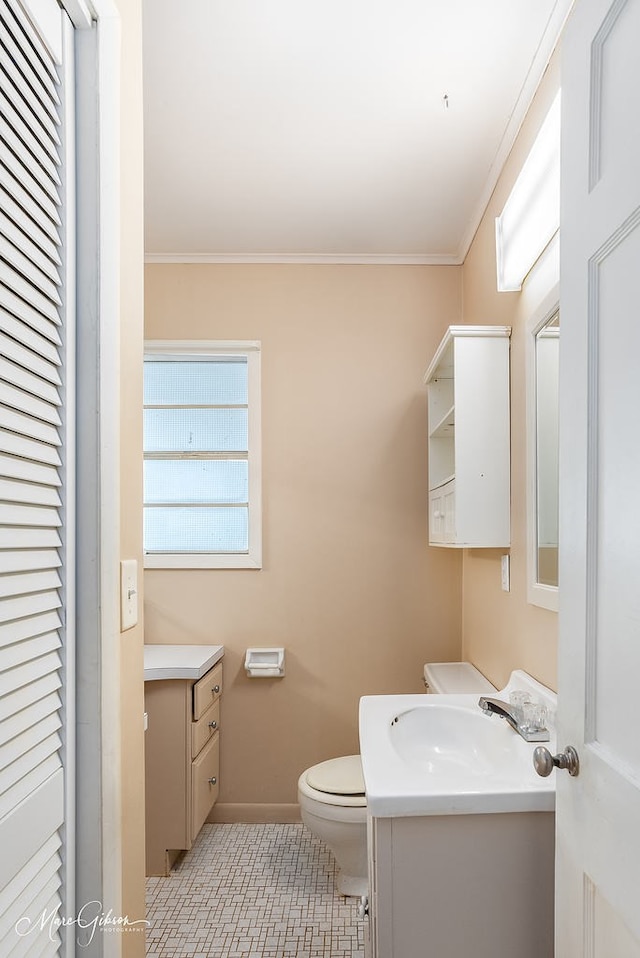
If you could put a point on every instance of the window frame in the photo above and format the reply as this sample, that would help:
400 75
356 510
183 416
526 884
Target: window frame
250 350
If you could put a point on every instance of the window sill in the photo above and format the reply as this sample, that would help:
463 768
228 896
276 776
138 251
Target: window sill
202 561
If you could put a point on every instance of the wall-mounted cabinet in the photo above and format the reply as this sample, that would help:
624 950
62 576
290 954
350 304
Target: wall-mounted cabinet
469 438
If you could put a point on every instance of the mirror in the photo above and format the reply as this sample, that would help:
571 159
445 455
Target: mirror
542 430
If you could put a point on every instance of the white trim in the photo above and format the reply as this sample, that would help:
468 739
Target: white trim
78 12
312 259
109 94
545 596
99 724
199 347
476 332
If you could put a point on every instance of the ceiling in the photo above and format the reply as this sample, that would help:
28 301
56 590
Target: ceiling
332 130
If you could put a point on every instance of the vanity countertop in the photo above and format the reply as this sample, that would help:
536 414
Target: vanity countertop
179 661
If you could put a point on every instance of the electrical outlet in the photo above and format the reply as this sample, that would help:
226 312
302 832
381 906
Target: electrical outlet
506 583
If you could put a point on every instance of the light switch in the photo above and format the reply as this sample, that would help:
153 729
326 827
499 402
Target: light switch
506 584
128 594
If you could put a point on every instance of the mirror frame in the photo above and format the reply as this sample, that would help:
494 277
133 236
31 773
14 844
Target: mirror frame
545 596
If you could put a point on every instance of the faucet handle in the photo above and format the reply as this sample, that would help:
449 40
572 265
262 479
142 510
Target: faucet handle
534 716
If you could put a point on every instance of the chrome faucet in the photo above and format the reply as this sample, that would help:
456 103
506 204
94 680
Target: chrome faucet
511 714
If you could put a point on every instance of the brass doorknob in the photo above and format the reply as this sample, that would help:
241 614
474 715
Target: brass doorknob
544 762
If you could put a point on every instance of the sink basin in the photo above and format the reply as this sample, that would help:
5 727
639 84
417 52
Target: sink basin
440 754
453 740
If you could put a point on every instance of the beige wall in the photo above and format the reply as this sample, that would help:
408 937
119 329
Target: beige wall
501 631
131 338
349 586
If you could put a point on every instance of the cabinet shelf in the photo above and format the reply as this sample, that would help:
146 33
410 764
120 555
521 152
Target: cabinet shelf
445 428
442 482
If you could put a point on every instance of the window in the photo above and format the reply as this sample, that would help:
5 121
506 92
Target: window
202 489
531 215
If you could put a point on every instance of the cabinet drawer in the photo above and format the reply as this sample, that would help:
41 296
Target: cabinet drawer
206 691
205 775
205 727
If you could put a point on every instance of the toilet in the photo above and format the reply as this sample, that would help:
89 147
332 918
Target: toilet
331 794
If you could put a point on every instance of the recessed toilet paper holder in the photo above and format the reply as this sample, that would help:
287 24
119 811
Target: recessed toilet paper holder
264 663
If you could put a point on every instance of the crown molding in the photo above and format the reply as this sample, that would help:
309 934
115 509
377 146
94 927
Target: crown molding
315 259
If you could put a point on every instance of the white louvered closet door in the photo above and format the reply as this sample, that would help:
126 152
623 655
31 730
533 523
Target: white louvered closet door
36 481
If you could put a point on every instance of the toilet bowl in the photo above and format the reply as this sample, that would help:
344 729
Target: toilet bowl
332 798
334 809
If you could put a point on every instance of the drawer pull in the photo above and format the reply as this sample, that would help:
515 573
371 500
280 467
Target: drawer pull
213 725
213 780
215 689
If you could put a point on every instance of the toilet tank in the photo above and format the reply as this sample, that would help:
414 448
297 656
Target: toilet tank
455 678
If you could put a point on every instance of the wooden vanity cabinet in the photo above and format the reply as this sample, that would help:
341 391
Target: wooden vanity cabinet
182 763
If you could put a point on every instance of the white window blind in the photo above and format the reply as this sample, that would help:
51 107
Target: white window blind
33 438
201 451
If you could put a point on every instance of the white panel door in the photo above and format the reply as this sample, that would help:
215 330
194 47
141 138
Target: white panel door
598 812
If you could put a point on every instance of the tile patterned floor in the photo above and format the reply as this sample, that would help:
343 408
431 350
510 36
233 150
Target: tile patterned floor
252 891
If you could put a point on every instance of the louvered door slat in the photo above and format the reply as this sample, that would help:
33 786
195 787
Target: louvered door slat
23 197
25 103
36 689
21 629
27 225
13 232
30 471
25 583
31 716
15 491
34 331
26 402
19 142
45 763
28 559
19 653
18 173
20 378
30 355
18 538
23 263
37 146
20 515
28 671
28 448
16 748
28 426
41 81
31 309
20 607
23 280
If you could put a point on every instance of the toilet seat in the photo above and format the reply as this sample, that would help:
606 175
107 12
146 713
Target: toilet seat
338 776
336 782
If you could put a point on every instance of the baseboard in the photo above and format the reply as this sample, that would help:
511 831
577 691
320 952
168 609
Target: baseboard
249 813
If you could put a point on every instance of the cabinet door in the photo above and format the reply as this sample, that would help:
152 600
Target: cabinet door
205 785
442 515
